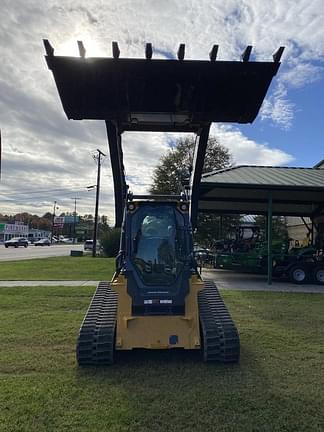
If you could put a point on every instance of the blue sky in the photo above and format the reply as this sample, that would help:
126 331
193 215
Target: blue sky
43 151
304 137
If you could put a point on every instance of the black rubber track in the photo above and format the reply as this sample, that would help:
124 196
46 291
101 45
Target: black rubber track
96 341
221 341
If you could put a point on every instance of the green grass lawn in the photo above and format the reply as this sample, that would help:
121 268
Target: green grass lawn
58 268
278 386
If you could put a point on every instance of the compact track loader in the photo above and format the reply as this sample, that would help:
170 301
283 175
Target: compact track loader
157 299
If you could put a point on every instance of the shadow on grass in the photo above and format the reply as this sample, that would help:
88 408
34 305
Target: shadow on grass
175 390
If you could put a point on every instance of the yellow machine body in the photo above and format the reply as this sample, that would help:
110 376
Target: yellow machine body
157 331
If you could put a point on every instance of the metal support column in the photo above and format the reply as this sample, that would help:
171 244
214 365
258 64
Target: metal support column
312 233
221 227
269 237
117 167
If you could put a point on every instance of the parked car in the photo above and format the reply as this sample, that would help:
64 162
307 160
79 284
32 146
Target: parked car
203 256
88 245
67 240
16 241
43 242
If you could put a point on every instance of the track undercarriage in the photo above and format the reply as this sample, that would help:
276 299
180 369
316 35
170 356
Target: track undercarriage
97 342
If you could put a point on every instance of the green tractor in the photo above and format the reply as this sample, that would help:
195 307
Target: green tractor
252 260
299 265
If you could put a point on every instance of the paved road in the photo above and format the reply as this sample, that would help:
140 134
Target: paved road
226 279
21 253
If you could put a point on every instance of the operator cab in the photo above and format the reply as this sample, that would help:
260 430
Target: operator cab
157 249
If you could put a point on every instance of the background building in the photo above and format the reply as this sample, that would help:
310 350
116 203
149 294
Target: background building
37 234
17 229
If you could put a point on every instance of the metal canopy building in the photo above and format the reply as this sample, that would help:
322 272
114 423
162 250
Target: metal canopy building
264 190
246 189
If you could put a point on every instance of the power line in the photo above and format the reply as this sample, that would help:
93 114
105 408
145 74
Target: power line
74 218
21 200
42 191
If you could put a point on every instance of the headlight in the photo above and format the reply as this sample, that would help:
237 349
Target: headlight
131 207
183 207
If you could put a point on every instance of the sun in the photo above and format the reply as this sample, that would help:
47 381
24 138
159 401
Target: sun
70 46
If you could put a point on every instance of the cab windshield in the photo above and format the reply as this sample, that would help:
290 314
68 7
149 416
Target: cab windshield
158 243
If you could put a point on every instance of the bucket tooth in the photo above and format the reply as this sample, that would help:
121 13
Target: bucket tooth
246 54
181 51
48 48
115 50
82 50
148 51
213 53
277 55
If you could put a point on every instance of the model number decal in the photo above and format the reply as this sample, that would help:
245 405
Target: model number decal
157 301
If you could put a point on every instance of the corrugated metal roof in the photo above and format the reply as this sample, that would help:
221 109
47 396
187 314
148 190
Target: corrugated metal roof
267 176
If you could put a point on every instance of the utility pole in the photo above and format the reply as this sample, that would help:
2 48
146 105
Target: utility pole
74 219
54 208
97 158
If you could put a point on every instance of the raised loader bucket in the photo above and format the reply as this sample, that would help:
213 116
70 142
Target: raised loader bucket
161 95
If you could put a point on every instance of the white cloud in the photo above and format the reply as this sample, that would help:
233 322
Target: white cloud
278 108
301 74
247 151
142 151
